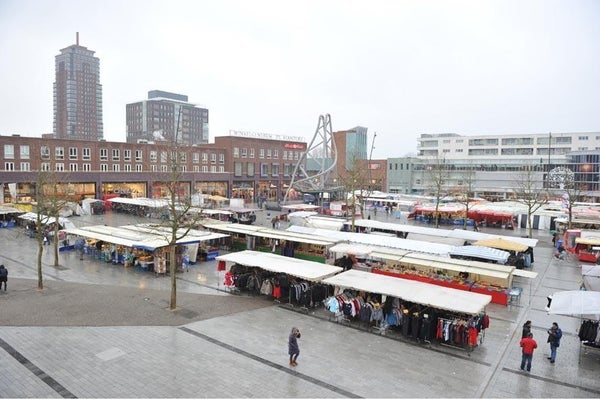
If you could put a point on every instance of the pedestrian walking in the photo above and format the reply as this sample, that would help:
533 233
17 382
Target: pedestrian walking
554 336
528 345
293 349
3 276
526 329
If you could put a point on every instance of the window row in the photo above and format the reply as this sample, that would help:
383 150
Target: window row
266 153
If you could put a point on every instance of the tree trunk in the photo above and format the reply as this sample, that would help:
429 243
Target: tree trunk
55 244
40 243
173 271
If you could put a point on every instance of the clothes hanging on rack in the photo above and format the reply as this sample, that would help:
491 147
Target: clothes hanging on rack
589 331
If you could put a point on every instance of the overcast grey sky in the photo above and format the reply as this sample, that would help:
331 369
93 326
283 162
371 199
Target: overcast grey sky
399 68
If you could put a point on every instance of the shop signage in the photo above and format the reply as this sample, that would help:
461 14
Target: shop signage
298 146
262 135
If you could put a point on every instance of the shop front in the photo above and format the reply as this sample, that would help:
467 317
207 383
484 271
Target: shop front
161 190
124 189
243 190
212 188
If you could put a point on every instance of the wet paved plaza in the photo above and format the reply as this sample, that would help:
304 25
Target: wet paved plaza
244 354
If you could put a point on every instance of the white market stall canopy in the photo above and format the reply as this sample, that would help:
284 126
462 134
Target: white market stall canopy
450 233
261 231
46 220
435 239
303 269
488 253
141 236
575 302
9 210
376 240
591 276
365 250
434 296
141 201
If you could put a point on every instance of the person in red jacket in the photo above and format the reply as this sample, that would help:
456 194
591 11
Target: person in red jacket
528 345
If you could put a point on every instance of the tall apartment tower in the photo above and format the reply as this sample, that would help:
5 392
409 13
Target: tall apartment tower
166 117
77 94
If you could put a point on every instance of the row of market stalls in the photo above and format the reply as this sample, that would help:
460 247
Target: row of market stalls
424 312
402 258
145 245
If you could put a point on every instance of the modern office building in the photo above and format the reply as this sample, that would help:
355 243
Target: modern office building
166 116
494 162
353 156
77 94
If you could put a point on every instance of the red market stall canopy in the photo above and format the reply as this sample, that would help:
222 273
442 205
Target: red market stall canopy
439 297
502 244
303 269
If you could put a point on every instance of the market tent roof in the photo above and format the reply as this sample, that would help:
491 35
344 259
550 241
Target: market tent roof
500 243
303 269
475 236
451 233
575 302
64 222
436 239
299 207
10 210
525 274
376 240
240 209
434 296
589 240
140 201
140 237
362 249
254 230
590 274
488 253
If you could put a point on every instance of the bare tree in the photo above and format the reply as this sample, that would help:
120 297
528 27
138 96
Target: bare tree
467 178
437 175
530 192
354 179
52 193
179 205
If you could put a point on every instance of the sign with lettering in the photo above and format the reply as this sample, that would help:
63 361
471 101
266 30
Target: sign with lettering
262 135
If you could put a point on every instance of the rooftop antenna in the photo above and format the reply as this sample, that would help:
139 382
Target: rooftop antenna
77 38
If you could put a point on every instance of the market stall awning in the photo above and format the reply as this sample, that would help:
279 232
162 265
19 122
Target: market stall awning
475 236
439 297
588 240
303 269
503 244
141 236
575 302
376 240
482 252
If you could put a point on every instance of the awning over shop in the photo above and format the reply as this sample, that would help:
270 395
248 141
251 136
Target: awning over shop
481 252
307 270
439 297
503 244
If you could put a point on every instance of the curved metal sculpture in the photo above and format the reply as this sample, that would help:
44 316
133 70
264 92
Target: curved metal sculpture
322 145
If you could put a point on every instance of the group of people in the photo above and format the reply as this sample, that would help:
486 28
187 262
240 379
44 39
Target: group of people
528 344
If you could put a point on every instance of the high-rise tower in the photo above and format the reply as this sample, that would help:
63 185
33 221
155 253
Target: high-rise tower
77 94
